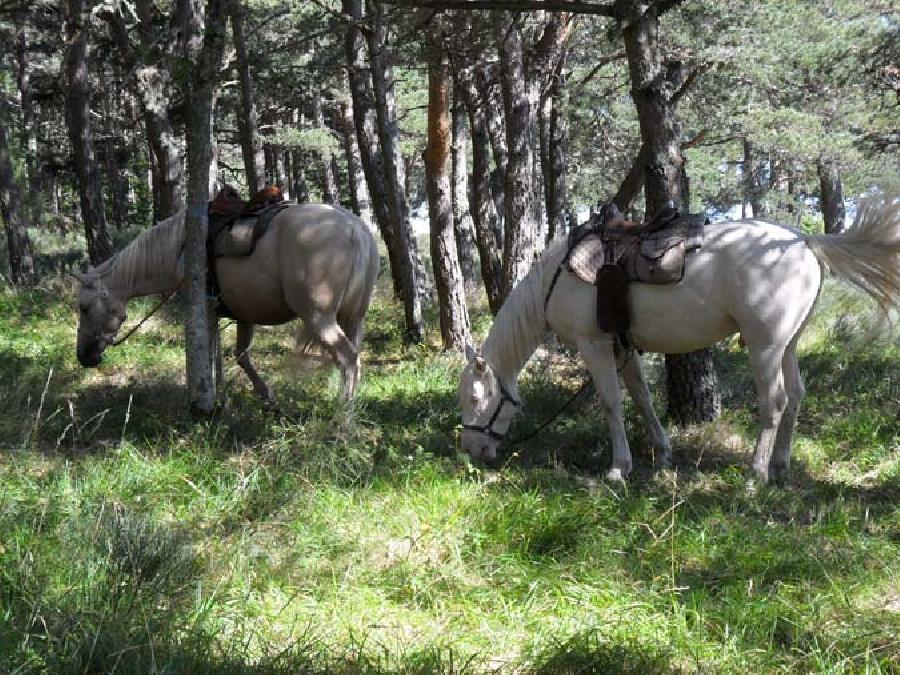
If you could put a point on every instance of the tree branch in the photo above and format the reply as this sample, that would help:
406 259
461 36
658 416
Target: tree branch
601 62
573 6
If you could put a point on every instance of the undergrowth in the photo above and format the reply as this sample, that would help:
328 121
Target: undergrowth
360 541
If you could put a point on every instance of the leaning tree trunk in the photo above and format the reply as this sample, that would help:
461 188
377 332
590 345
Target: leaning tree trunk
200 329
248 126
116 181
462 217
386 123
18 244
831 195
359 195
521 226
484 213
80 136
364 119
691 382
448 279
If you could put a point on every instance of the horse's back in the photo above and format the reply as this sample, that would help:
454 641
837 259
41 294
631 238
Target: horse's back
756 277
311 258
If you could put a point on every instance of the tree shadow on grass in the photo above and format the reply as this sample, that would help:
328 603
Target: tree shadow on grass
590 652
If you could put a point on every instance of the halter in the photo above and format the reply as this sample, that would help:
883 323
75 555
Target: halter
487 429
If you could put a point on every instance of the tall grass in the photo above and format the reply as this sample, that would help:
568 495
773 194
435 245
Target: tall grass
309 543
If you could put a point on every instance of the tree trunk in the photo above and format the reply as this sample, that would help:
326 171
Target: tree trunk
29 137
200 323
462 216
383 89
831 195
495 126
118 184
557 151
447 274
359 195
751 183
691 382
364 120
248 126
18 243
80 136
483 210
521 227
329 182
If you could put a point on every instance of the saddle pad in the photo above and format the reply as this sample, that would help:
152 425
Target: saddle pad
586 258
239 238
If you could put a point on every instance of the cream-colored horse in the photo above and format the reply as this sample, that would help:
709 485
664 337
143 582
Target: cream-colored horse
316 262
751 276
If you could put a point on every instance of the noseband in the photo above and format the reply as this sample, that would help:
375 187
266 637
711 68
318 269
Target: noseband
487 429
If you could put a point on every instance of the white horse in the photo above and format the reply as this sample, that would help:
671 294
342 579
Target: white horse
756 277
316 262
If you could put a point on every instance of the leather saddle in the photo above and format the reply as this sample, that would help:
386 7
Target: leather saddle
234 227
611 253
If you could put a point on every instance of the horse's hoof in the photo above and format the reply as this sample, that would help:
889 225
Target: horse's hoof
615 475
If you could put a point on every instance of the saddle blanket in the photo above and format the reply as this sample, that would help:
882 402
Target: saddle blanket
238 237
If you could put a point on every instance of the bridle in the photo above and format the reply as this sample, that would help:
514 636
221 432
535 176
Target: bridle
488 429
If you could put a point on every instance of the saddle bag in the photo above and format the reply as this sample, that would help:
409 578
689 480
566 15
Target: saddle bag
657 259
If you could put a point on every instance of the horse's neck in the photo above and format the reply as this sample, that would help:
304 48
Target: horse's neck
518 329
150 263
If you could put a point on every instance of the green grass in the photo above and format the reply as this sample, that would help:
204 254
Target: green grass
134 540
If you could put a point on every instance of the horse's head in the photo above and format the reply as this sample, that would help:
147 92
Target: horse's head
487 407
100 314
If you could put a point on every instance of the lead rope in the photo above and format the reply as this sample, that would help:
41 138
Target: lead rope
153 311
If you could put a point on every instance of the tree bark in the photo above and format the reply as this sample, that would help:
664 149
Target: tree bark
118 184
18 243
28 136
248 125
483 209
831 195
691 382
521 226
80 135
200 323
383 89
359 195
329 182
462 216
448 279
751 183
555 180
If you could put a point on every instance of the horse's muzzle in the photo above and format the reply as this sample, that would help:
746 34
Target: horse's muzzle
90 359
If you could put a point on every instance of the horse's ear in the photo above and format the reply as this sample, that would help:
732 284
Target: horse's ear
470 353
611 213
82 277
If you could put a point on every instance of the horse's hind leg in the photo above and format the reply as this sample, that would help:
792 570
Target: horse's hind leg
767 374
601 362
793 382
633 376
328 332
242 353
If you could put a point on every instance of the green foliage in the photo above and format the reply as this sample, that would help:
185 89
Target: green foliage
360 542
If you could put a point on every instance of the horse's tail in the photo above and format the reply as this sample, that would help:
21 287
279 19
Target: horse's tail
867 254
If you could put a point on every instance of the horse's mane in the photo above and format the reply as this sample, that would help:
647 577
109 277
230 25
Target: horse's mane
520 324
153 252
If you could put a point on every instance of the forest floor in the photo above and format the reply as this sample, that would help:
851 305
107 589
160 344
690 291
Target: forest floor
327 540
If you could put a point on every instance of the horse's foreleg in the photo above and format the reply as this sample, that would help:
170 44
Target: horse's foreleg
793 382
769 380
242 354
633 376
327 331
602 364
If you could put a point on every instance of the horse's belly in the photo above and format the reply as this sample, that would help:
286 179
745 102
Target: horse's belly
674 319
251 292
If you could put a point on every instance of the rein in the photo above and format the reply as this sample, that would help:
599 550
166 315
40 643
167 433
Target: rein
153 311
